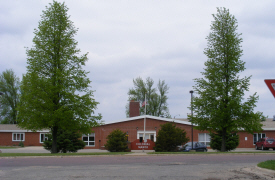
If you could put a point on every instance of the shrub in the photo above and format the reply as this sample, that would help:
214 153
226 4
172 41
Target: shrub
21 144
169 137
117 141
67 141
232 141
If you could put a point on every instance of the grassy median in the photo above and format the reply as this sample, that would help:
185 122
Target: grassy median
8 147
60 154
270 164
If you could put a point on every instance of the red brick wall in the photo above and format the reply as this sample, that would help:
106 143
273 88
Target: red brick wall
31 139
6 139
103 131
245 143
249 142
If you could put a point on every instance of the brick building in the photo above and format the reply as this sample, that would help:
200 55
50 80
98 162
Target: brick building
134 127
11 135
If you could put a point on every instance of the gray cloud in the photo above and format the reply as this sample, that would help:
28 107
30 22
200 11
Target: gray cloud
160 39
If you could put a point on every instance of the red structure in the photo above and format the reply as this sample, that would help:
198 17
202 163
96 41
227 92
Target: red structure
137 145
133 108
134 127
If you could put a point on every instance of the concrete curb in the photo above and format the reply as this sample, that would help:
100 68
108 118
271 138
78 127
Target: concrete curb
260 172
267 171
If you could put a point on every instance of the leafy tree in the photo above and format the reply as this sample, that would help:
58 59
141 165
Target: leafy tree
220 105
169 137
55 89
116 141
232 141
9 88
156 98
67 141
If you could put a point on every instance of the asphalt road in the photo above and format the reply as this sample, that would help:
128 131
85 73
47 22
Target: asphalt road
136 167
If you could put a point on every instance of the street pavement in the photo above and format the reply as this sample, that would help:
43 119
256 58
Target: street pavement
202 166
249 172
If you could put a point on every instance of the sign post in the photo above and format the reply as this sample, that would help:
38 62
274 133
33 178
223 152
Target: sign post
271 85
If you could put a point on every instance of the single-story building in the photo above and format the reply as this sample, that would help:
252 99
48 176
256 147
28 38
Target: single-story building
12 135
134 128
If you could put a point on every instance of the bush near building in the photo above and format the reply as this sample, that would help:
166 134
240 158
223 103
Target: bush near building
169 137
117 141
67 141
231 143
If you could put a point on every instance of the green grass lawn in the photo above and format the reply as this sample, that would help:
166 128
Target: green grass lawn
270 164
8 147
60 154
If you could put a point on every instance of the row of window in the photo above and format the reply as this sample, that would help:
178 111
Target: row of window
205 138
90 139
21 137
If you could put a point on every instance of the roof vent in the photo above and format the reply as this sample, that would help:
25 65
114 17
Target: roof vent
274 118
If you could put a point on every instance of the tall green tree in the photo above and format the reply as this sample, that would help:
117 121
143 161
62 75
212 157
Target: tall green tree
9 98
55 90
219 105
156 98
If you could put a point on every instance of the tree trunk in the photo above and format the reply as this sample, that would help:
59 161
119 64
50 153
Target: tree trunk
54 142
223 148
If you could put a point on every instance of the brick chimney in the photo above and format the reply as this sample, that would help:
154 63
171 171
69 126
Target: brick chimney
133 108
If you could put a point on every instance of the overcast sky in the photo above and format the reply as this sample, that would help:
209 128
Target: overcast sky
159 39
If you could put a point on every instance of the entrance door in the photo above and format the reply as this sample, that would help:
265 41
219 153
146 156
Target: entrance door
148 135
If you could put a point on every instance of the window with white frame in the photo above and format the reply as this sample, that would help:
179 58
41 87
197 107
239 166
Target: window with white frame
89 139
257 137
18 136
148 135
43 137
204 138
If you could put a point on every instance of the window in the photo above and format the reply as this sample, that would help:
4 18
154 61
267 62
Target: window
204 138
257 137
43 137
148 135
89 139
18 136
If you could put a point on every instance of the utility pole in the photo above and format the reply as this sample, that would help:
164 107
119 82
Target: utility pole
192 116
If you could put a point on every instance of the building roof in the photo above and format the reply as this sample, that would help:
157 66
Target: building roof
15 128
151 117
268 124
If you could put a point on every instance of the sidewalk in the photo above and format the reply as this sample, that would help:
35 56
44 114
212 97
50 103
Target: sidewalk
40 149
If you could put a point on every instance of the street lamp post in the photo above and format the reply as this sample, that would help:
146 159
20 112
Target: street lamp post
0 104
191 92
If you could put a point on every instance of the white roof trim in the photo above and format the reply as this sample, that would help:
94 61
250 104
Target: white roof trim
268 129
23 131
151 117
